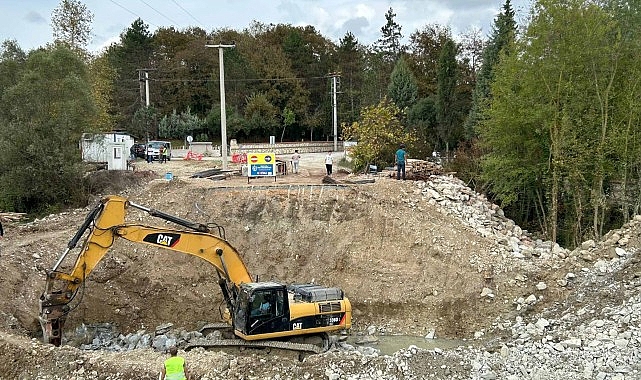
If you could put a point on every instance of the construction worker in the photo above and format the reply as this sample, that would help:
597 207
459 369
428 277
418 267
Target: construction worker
401 157
174 367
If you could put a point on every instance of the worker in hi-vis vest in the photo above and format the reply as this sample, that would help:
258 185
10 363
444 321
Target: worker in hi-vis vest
174 367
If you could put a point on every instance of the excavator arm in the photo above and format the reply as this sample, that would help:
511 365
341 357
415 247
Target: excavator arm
102 227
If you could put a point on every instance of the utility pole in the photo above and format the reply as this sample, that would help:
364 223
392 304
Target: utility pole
223 115
335 81
143 76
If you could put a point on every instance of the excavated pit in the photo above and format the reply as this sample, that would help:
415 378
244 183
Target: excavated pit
411 262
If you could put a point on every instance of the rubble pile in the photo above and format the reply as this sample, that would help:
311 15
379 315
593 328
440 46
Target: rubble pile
454 198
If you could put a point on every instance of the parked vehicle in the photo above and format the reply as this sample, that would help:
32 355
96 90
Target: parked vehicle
153 149
140 150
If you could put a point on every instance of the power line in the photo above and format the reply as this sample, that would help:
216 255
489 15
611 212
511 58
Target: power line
160 13
132 13
186 11
240 80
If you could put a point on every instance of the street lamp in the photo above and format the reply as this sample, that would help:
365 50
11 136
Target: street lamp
223 115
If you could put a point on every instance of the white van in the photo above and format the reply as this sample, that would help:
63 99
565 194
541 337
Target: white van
153 148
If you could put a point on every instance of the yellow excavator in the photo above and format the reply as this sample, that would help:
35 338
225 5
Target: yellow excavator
295 317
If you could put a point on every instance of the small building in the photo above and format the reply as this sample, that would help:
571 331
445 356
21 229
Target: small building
110 148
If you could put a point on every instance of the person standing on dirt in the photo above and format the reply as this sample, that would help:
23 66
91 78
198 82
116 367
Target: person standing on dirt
295 159
400 162
161 154
174 368
164 153
329 160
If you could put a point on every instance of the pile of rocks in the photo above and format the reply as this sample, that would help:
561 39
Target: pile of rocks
454 198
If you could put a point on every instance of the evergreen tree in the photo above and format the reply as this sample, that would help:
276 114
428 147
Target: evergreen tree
350 60
402 89
446 97
133 53
389 44
503 34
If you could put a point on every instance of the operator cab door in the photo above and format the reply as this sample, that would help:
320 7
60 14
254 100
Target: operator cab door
268 311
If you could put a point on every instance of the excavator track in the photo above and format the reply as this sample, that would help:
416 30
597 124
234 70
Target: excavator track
226 343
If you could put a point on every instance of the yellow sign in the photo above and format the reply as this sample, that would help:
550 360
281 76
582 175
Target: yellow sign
261 158
261 164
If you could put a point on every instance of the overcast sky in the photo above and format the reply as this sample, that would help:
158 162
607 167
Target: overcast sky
29 21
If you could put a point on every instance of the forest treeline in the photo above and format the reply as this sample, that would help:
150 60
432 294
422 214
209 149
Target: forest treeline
542 117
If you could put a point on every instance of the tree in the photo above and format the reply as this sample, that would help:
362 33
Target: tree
503 34
71 22
350 62
562 109
379 133
389 44
102 77
261 116
421 118
143 123
424 53
179 126
181 78
446 98
402 89
132 53
43 115
380 60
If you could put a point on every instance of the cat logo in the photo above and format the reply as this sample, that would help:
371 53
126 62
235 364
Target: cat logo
164 240
297 326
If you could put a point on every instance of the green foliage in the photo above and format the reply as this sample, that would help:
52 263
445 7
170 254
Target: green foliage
43 114
144 123
424 53
132 53
235 124
421 118
389 44
260 115
402 89
379 133
447 115
563 115
350 62
102 76
503 34
178 126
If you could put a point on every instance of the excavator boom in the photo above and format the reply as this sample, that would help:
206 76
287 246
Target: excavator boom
105 224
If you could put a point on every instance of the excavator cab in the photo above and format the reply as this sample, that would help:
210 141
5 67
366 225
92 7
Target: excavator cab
261 308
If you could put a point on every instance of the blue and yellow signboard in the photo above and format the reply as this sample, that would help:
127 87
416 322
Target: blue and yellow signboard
261 164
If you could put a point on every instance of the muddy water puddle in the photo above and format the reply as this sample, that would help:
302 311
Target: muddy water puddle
389 344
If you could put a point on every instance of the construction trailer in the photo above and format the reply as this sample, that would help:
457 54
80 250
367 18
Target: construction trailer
110 148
